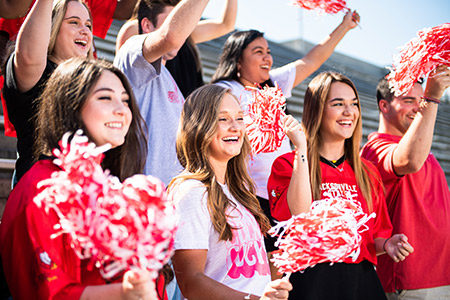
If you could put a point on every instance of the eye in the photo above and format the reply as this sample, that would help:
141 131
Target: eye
337 104
222 119
240 119
104 98
89 25
127 102
355 104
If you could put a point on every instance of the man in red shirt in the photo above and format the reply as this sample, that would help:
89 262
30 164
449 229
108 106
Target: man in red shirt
417 193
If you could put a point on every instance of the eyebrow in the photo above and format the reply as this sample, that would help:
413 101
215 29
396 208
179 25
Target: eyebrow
76 17
408 98
342 99
259 47
226 112
107 89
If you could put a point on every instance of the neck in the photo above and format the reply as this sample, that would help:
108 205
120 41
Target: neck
219 169
386 127
332 150
246 82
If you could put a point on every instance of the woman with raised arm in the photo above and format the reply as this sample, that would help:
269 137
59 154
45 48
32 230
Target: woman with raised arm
96 97
330 164
52 33
220 252
246 61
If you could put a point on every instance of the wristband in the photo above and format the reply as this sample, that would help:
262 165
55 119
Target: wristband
384 244
429 99
248 296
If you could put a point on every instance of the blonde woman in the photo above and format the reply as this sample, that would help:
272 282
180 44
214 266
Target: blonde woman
51 34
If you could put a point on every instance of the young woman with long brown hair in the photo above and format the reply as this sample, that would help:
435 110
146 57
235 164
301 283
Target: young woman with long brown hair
330 163
220 251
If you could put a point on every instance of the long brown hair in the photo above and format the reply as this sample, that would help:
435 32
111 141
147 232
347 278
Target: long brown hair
198 125
60 111
315 99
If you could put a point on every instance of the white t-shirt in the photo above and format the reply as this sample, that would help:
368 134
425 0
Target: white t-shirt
261 164
240 263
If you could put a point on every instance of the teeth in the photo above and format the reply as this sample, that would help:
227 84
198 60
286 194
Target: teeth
264 67
230 139
84 43
114 125
345 122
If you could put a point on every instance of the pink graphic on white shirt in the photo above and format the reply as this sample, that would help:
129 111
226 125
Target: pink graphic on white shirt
246 254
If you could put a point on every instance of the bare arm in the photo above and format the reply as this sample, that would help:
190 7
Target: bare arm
175 30
13 9
124 9
210 29
299 191
189 266
32 44
415 145
135 285
128 30
321 52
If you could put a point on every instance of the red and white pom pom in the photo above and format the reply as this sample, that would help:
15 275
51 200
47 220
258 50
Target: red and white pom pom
323 6
263 119
419 56
329 232
118 226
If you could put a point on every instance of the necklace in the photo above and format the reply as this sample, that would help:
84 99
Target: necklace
337 164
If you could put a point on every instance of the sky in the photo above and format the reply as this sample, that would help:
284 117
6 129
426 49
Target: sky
386 25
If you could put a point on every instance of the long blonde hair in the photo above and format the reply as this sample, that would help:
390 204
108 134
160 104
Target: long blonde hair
58 12
315 99
198 125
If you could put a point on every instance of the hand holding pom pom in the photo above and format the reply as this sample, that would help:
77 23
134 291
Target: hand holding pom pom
117 226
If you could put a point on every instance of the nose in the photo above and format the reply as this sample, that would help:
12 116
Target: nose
120 107
235 125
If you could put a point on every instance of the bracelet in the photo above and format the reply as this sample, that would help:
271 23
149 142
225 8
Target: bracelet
384 244
429 99
248 296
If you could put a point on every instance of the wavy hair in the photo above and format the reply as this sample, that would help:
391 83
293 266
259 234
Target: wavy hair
198 126
60 111
315 99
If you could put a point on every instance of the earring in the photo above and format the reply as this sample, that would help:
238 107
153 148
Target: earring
238 74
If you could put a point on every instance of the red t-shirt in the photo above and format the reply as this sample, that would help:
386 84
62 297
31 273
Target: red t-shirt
35 265
378 227
419 206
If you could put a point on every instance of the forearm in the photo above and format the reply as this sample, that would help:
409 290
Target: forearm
415 145
210 29
379 245
34 34
13 9
299 191
201 287
175 30
100 292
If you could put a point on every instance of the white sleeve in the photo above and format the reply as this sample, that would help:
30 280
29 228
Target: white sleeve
284 77
194 222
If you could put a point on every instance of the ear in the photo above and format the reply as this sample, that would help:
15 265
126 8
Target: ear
383 105
147 26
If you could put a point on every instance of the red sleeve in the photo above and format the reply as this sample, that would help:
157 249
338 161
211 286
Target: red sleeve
102 14
278 185
36 266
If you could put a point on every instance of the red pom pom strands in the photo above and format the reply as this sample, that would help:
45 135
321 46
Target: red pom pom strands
323 6
118 226
329 232
263 119
419 56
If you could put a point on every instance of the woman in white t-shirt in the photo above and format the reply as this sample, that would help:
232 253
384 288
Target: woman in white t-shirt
220 251
246 61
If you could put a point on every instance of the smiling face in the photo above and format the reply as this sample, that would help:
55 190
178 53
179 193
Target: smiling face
255 63
340 115
75 34
229 136
400 112
105 114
